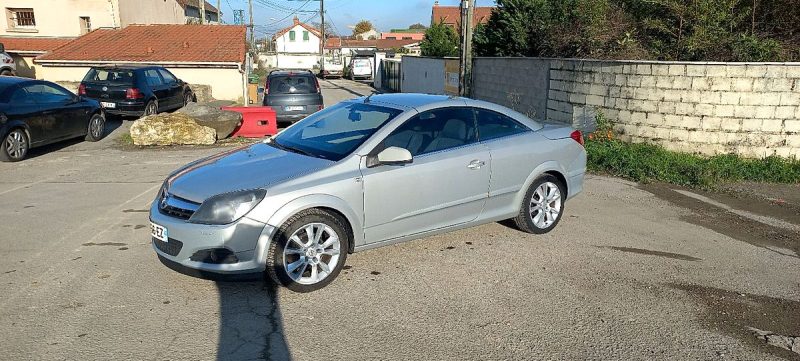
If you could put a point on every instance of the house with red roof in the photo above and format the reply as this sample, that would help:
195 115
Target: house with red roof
451 15
211 55
297 46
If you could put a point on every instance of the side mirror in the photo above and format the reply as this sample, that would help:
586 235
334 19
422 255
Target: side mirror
390 156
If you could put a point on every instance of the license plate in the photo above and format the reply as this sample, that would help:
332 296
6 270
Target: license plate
108 105
292 108
159 232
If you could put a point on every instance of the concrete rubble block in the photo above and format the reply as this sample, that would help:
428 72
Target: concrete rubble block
171 129
224 122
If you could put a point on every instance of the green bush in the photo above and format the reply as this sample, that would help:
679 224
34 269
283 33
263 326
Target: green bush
643 162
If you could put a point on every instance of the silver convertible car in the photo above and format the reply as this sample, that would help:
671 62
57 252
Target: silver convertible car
364 173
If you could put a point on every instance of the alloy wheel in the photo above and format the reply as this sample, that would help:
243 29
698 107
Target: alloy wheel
311 253
151 108
545 205
97 127
16 145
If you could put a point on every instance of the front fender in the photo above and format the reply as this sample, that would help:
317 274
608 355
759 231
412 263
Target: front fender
320 201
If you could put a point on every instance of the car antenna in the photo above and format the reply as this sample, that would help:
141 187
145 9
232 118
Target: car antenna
367 99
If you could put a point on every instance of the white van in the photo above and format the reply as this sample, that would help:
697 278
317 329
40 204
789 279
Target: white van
7 65
361 68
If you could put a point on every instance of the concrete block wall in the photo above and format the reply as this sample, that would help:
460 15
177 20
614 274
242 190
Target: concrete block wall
518 83
748 109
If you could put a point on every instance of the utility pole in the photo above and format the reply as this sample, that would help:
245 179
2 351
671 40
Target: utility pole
219 12
465 76
202 11
322 47
252 27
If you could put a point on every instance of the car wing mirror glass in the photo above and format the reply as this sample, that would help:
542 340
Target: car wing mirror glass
391 156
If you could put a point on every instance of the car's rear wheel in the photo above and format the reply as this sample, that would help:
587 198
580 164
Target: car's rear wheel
542 206
6 72
15 146
188 98
97 128
151 108
308 251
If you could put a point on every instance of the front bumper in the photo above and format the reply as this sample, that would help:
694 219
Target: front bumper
247 239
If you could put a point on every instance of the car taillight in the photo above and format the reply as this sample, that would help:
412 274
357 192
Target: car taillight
316 82
577 135
82 89
266 87
133 93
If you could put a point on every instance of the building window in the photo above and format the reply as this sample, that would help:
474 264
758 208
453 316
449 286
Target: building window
86 24
406 38
305 36
21 18
391 38
291 35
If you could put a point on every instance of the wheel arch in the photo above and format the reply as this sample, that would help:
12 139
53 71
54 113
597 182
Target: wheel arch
552 168
15 124
329 203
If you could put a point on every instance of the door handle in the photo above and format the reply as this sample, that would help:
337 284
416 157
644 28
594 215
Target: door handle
476 164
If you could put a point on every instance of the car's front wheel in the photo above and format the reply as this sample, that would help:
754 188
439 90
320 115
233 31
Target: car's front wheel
15 146
308 251
542 206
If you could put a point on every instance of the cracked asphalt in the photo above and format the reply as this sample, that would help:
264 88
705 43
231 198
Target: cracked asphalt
631 272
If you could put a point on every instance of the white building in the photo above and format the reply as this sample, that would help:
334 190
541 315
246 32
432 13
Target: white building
297 46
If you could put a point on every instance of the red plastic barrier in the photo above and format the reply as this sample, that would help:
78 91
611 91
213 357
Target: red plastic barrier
257 122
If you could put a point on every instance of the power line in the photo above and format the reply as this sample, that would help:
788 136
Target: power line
291 14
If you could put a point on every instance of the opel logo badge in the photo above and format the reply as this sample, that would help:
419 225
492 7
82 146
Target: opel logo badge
105 88
164 201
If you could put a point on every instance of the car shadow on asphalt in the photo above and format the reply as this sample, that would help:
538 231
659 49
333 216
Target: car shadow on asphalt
250 320
111 125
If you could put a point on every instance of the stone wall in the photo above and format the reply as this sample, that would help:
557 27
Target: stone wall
750 109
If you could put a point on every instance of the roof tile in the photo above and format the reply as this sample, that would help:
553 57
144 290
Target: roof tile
32 44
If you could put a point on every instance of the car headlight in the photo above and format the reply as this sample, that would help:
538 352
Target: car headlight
228 207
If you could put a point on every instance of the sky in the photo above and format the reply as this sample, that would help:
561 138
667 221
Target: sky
273 15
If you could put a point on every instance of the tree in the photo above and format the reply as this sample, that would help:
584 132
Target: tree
418 26
362 27
440 40
328 29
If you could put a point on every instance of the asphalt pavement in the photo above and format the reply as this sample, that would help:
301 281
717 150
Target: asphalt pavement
631 272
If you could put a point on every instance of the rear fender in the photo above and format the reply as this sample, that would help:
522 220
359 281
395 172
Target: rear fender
13 124
549 166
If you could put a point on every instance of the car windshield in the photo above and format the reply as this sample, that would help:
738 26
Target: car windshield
292 84
335 132
119 76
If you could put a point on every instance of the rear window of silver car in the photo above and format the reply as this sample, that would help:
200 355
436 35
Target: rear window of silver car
292 84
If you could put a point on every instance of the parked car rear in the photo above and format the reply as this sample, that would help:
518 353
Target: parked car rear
361 68
293 94
7 65
134 90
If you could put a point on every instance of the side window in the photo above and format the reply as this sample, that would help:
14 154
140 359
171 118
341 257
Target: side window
434 130
291 35
305 35
152 77
46 94
493 125
168 77
21 97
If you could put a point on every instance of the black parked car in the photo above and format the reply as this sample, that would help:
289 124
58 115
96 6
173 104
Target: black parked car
293 94
37 112
135 90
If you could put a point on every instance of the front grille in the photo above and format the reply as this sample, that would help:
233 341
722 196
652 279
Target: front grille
176 212
172 248
177 207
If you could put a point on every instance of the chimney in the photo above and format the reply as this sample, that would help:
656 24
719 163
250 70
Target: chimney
296 20
436 3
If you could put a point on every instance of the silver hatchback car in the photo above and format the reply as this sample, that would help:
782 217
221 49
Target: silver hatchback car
364 173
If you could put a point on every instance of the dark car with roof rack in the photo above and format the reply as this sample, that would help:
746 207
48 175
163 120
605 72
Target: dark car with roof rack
293 94
133 90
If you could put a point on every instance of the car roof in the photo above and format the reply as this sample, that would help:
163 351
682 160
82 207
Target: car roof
410 100
11 80
290 72
125 66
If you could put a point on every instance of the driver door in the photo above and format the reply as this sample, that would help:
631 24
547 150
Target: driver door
446 184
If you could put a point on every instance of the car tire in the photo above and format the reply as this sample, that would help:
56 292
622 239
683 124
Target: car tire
188 97
542 206
6 72
96 129
14 146
151 108
292 250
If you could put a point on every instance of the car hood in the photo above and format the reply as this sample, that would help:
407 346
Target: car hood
257 166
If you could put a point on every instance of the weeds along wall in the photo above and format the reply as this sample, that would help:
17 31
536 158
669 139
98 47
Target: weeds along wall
749 109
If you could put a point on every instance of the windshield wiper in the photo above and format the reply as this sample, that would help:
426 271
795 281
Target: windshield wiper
291 149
